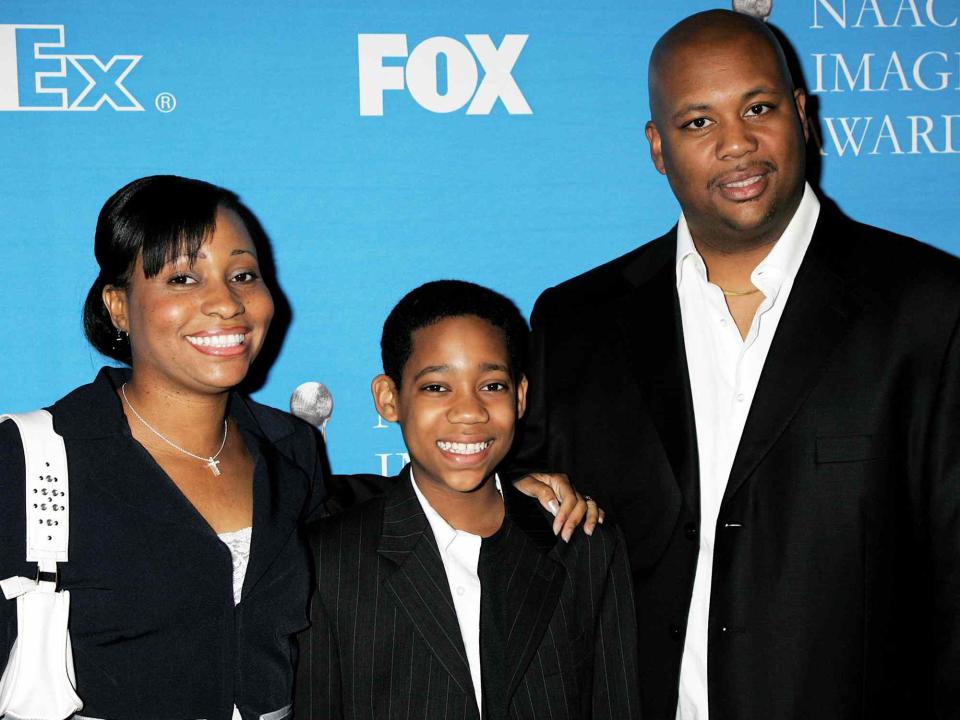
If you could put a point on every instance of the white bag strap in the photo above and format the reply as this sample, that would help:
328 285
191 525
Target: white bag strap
48 490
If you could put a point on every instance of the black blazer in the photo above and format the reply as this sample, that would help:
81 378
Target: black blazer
154 628
385 642
836 575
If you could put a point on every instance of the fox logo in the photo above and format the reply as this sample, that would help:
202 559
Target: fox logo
441 73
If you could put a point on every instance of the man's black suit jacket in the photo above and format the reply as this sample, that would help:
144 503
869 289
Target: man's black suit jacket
836 574
385 643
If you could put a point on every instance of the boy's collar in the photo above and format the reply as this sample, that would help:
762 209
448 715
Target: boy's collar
443 532
523 511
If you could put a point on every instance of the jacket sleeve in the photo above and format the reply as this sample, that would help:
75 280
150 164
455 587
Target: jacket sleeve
330 494
943 509
345 491
531 451
305 447
616 673
317 694
12 529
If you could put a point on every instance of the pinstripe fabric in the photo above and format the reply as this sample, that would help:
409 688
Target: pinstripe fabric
385 643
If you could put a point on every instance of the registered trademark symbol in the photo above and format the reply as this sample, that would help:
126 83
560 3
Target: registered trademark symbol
165 102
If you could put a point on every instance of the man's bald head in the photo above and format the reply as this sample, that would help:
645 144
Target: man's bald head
711 26
729 129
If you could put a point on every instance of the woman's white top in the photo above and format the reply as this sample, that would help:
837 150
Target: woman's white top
238 542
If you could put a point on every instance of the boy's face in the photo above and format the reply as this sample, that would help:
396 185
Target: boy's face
457 405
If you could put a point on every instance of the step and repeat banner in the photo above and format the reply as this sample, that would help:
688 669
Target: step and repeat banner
384 144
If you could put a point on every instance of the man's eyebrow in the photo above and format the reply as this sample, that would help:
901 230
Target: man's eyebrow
699 107
430 369
760 90
686 109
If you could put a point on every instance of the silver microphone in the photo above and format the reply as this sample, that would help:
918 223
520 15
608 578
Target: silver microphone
311 401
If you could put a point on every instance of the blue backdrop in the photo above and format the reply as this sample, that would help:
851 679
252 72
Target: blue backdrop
384 144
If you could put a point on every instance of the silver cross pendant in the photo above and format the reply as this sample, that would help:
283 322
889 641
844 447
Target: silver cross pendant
214 466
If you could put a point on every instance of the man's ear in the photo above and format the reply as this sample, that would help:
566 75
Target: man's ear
522 396
385 397
115 300
800 99
656 153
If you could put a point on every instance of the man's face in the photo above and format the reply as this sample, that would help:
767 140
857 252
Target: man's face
730 136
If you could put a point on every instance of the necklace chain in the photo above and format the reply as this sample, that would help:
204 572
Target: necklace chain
211 462
739 293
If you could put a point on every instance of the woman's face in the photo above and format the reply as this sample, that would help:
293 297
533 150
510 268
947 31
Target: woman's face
197 328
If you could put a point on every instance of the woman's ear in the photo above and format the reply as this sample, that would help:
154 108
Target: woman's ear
385 397
115 300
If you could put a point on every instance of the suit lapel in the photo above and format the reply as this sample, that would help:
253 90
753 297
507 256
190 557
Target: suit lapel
277 506
94 414
533 590
818 313
650 322
419 582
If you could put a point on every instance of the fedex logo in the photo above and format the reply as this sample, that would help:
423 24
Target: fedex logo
442 74
35 73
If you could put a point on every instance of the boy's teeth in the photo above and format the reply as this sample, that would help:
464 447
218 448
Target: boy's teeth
216 340
464 448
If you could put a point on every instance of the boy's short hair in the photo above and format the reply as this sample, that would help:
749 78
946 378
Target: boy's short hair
441 299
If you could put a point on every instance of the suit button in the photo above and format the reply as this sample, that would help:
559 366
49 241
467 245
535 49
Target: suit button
690 531
675 631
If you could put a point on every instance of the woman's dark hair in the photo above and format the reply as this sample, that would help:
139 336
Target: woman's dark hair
441 299
161 217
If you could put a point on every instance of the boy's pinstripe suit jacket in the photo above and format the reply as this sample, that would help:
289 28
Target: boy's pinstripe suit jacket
385 642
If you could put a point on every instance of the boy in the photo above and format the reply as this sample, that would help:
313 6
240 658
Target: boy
450 597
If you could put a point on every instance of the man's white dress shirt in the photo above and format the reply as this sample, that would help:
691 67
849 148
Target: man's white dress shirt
724 370
460 552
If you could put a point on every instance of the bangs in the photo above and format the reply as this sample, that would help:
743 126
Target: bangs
180 239
160 219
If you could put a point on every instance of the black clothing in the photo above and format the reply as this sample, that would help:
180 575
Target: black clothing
836 569
385 642
154 628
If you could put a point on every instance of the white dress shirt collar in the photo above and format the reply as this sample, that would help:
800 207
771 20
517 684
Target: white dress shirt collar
443 532
781 262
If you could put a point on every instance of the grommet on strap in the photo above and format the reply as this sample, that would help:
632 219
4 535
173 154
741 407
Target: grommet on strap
42 654
48 528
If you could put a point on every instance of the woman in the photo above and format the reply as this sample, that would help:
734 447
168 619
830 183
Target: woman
187 575
185 495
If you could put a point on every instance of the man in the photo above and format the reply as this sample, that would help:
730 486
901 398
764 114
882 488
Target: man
767 398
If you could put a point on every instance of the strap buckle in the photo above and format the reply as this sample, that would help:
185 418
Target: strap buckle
45 576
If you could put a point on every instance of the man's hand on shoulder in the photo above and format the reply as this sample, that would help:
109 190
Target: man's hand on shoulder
569 508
